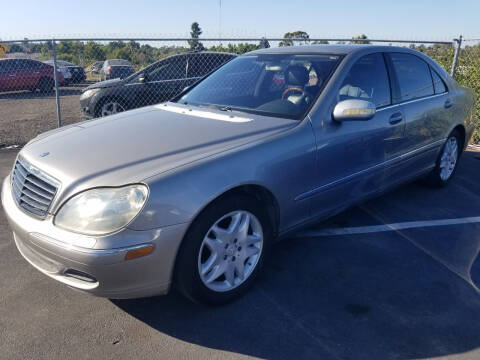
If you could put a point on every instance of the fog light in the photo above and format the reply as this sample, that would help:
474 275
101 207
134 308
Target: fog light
136 253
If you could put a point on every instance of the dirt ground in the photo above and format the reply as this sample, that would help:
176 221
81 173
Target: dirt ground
24 115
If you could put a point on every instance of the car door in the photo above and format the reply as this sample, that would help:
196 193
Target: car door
202 64
164 81
22 74
31 73
414 93
351 154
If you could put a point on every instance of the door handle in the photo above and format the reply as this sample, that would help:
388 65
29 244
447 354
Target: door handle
448 104
395 118
12 75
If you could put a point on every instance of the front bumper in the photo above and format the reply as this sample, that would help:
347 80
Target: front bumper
88 108
83 262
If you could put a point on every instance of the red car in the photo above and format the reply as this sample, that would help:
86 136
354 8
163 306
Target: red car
27 74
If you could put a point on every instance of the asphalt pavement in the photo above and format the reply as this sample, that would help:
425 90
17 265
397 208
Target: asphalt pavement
390 294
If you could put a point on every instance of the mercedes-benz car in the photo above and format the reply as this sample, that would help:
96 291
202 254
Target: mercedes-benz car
192 193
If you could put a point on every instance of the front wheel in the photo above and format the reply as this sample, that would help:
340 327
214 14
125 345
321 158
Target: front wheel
223 251
110 107
447 161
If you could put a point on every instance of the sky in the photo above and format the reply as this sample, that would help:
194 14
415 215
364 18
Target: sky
400 19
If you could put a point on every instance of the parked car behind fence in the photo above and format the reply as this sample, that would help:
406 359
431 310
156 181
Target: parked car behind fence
77 73
27 74
156 83
116 68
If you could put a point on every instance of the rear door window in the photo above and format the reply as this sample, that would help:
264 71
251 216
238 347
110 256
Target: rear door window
29 64
367 80
438 84
412 76
201 64
172 69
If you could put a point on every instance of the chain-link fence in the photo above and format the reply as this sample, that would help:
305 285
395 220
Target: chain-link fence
46 83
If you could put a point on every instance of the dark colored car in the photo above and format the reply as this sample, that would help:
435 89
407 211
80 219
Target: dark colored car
27 74
116 68
154 84
77 72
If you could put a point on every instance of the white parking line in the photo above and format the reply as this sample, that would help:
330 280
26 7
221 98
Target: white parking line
388 227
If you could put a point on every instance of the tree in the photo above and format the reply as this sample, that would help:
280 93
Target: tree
195 45
361 39
240 48
94 52
264 44
302 35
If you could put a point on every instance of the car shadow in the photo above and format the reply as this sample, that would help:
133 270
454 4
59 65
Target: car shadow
370 296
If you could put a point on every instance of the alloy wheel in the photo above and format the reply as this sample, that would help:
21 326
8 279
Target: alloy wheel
111 107
449 158
230 251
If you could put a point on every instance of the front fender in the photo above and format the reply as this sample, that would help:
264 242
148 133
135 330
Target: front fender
281 165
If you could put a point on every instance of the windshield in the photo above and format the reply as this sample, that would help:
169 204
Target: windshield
118 62
283 85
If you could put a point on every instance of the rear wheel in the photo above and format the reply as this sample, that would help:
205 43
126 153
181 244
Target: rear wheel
447 161
223 251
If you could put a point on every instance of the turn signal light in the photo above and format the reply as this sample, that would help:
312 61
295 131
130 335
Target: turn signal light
136 253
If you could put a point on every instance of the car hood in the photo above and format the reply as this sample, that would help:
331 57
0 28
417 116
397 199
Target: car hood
133 146
105 84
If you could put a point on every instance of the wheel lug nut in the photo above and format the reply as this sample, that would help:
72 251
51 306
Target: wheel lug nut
233 258
239 248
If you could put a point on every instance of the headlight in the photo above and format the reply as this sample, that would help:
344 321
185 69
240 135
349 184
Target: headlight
89 93
103 210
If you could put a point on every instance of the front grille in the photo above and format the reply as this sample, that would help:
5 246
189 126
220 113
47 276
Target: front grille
32 189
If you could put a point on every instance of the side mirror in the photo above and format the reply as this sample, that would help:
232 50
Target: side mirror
354 109
143 78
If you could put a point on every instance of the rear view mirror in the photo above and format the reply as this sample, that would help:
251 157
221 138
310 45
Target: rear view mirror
354 109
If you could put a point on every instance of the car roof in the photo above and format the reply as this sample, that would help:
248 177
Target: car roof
336 49
209 52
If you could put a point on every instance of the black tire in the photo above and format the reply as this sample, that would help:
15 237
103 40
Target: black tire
46 85
187 277
434 179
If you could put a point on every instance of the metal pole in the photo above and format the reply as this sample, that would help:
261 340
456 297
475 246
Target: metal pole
57 96
455 56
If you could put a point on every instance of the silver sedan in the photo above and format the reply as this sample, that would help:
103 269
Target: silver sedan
192 193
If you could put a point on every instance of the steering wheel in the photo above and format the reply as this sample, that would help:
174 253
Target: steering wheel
289 90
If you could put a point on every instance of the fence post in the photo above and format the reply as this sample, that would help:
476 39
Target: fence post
55 76
455 56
